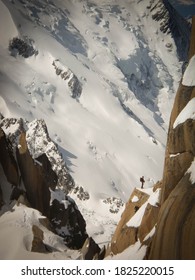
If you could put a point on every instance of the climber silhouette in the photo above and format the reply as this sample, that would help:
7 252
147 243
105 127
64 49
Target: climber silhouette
142 182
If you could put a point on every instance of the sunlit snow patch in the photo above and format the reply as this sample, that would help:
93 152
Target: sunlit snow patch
135 221
191 171
187 113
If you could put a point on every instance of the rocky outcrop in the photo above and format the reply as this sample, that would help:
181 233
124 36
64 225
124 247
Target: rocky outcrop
68 222
67 75
33 164
7 160
148 222
90 249
138 219
39 143
174 237
114 204
37 242
38 177
172 22
22 46
80 193
179 155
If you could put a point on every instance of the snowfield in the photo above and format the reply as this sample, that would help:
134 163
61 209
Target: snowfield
128 72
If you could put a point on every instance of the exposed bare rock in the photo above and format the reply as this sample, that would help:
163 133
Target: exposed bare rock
7 160
125 236
68 222
38 177
67 75
138 220
22 199
148 221
16 193
37 243
22 46
101 254
39 143
43 178
90 249
13 128
114 204
172 22
80 192
174 237
180 142
175 169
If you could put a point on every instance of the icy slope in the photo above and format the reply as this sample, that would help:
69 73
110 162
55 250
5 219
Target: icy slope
128 71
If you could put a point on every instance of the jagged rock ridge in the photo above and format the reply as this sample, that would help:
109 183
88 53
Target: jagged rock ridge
67 75
32 175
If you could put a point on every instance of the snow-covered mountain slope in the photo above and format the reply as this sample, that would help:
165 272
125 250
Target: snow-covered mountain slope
127 71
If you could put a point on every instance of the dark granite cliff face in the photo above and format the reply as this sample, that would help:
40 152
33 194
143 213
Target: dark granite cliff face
7 160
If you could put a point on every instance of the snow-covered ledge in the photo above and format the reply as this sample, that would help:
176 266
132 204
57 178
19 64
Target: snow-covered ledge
188 112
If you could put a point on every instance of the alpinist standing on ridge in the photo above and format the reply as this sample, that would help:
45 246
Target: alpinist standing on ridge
142 182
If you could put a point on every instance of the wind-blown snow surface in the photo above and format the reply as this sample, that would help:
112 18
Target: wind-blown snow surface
129 71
